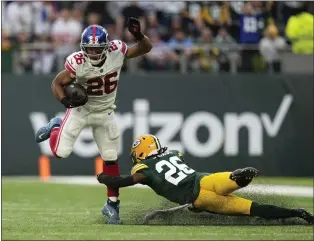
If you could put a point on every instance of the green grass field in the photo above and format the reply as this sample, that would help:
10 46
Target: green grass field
33 210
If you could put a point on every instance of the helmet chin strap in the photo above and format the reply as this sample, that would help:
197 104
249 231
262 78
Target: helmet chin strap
98 61
94 62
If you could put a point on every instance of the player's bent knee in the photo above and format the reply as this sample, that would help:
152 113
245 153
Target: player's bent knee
55 154
62 153
110 155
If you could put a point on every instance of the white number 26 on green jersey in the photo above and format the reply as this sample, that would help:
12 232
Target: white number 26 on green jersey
176 166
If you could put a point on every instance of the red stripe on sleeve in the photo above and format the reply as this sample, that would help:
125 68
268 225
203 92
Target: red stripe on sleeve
69 68
124 48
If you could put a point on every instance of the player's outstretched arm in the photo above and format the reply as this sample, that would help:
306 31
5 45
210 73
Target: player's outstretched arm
118 182
144 44
63 78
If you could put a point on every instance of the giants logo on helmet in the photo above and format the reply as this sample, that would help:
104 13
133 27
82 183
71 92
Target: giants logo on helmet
93 39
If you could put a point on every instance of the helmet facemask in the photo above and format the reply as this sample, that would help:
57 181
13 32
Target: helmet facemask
95 52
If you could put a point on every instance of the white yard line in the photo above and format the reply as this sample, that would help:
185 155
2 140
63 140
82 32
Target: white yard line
284 190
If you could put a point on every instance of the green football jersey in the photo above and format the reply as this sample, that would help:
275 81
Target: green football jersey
170 177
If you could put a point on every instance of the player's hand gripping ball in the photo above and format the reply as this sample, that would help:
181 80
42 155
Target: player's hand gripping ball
76 94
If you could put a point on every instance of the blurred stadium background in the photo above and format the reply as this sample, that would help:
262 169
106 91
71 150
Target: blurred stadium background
230 84
190 36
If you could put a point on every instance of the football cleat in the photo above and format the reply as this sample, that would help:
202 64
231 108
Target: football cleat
44 132
307 216
243 176
111 210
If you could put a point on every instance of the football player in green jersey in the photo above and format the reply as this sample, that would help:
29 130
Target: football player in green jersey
166 173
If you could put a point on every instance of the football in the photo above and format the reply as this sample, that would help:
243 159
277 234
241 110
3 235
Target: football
77 93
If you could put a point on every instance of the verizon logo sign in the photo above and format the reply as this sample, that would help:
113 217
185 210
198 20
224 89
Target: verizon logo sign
223 133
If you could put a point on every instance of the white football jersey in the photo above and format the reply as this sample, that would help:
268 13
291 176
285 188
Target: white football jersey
100 82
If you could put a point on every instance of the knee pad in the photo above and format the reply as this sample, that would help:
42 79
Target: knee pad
110 155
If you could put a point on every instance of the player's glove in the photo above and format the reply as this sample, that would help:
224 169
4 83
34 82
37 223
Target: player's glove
134 27
67 103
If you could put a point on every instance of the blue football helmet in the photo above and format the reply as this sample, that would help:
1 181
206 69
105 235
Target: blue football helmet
95 43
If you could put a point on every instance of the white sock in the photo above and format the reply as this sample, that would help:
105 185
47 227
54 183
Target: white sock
113 199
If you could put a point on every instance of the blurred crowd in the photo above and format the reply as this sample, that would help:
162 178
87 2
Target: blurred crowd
194 36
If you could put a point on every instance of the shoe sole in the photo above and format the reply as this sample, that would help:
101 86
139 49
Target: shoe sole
248 173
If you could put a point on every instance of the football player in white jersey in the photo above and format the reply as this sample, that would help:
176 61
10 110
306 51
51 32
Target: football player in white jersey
97 67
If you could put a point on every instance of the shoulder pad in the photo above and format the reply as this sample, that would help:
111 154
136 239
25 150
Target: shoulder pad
73 60
175 152
117 46
138 167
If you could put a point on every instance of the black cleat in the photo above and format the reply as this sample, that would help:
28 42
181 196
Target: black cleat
307 216
247 172
243 176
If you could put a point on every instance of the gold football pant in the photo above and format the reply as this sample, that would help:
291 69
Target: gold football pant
215 195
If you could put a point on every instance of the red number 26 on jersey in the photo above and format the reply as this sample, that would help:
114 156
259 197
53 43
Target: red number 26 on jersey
100 86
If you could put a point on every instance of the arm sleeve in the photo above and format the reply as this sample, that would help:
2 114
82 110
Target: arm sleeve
115 182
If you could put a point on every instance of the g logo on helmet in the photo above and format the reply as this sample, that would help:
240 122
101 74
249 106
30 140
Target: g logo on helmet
93 39
136 143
